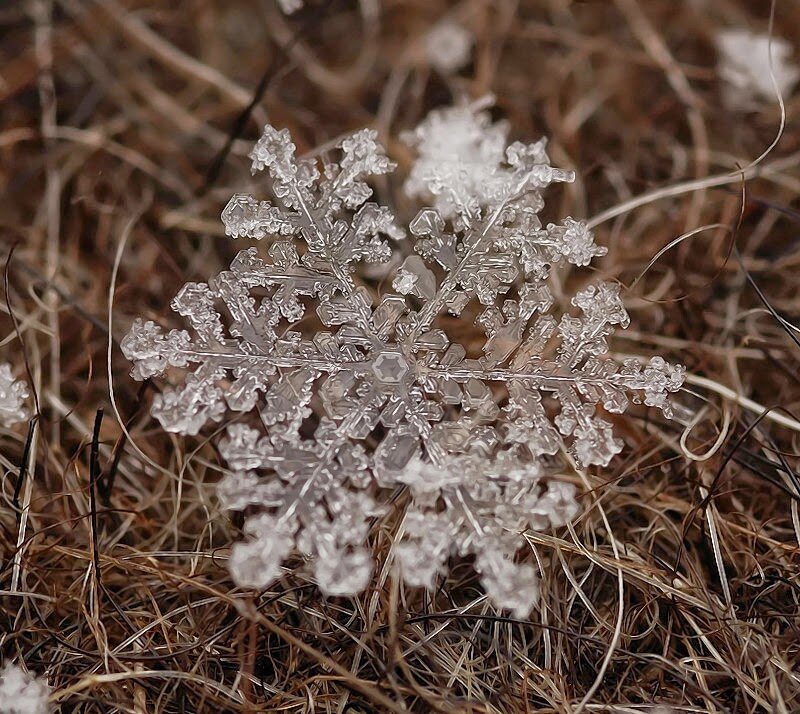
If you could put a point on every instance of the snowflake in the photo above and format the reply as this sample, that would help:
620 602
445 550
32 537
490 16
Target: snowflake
373 393
21 692
744 67
13 394
448 46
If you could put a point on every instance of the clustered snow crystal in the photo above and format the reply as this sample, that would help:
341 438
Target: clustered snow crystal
744 67
383 396
13 393
21 692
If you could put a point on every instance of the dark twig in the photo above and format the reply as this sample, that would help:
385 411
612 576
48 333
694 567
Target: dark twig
106 480
94 474
23 468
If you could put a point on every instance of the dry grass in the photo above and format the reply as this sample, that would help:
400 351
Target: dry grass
678 585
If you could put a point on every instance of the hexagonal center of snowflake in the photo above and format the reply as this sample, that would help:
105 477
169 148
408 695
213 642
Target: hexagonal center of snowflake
390 367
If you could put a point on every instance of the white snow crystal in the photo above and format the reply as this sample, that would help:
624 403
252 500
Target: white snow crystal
13 394
448 46
460 153
744 67
21 692
289 6
464 163
381 395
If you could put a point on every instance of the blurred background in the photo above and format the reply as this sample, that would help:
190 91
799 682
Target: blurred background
124 129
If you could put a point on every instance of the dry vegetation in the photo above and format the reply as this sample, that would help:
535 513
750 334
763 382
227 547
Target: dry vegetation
679 583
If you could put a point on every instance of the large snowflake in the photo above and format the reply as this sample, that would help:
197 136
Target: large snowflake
351 395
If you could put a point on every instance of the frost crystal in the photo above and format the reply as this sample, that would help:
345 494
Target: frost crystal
744 66
21 692
13 394
351 396
448 46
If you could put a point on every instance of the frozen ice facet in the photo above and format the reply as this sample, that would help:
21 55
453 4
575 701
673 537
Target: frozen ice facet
390 367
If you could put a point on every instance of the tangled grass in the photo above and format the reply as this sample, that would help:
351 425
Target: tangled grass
125 126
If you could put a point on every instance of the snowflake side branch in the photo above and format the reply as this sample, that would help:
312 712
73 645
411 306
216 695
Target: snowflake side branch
476 244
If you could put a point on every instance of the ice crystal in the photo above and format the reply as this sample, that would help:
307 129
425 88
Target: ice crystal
13 394
448 46
744 67
21 692
379 395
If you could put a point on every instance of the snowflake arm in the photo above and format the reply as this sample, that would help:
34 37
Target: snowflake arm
486 506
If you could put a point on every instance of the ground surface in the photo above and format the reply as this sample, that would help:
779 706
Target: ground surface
115 118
